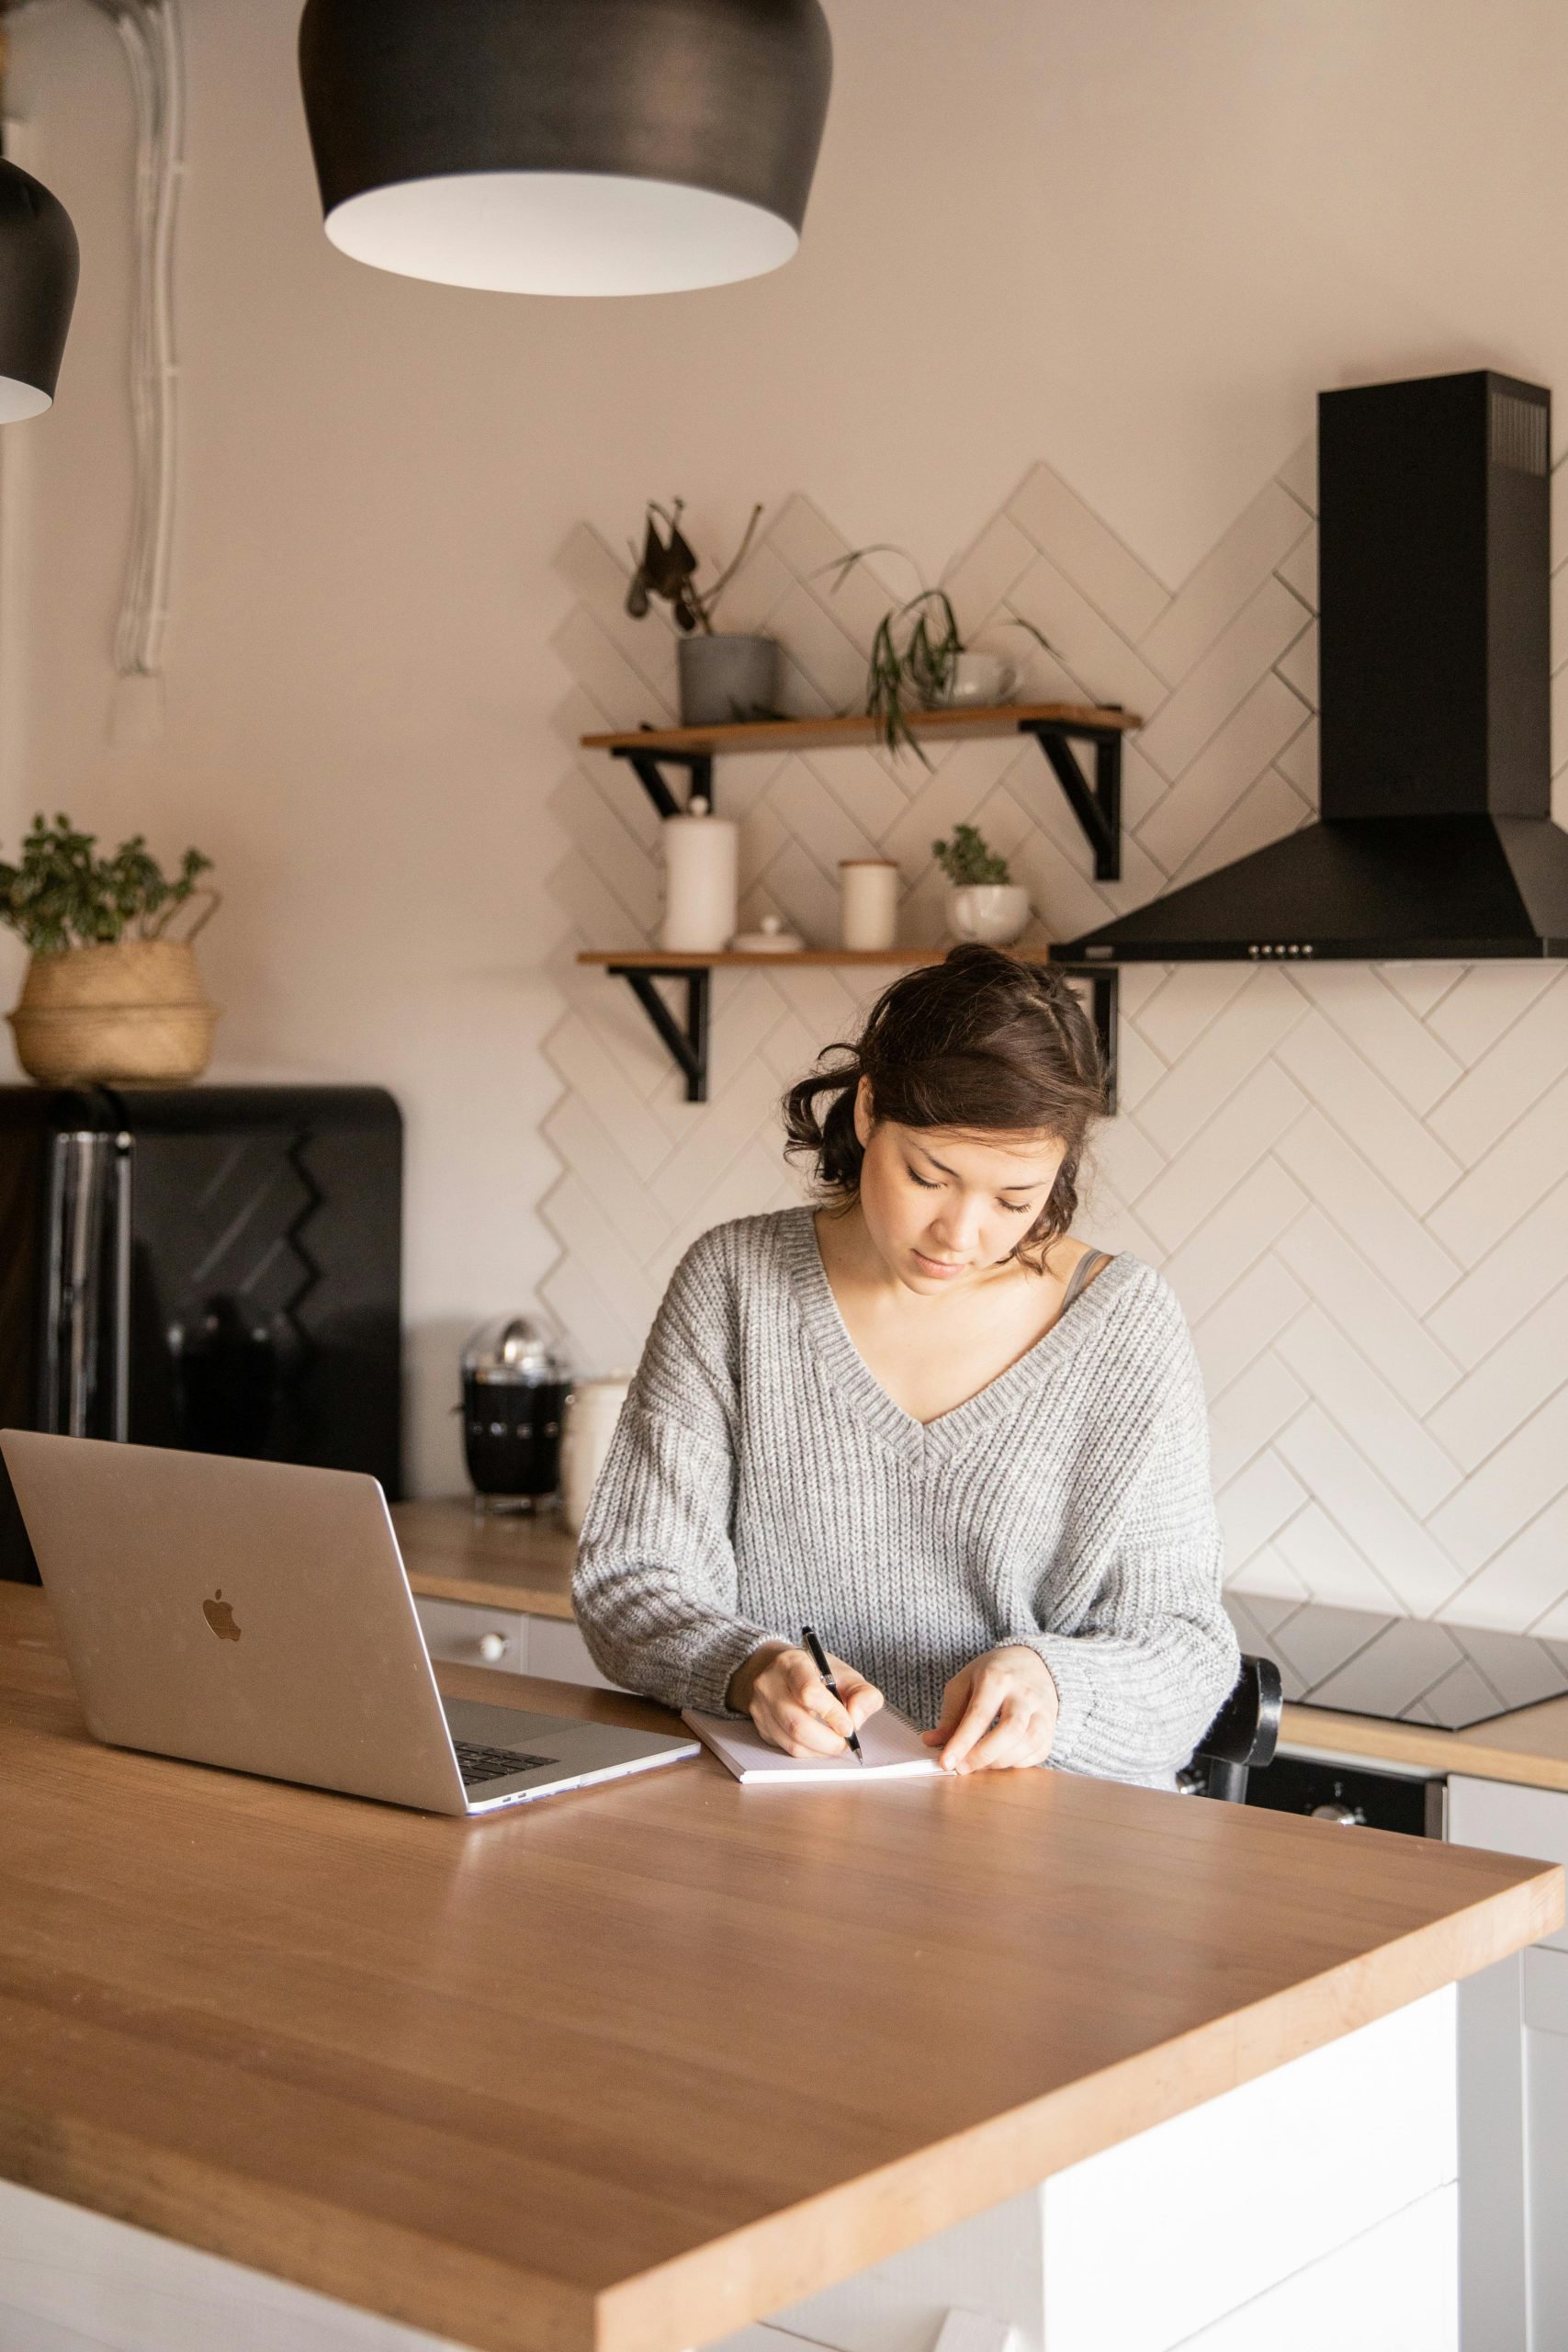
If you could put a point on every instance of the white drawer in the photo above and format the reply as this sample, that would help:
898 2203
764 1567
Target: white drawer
461 1633
1507 1819
558 1649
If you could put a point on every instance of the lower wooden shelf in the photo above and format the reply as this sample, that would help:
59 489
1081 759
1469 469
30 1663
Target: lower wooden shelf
661 959
686 1042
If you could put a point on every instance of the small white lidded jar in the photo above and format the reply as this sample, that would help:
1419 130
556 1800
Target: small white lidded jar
868 902
701 881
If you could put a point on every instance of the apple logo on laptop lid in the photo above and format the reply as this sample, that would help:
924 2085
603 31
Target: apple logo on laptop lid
220 1615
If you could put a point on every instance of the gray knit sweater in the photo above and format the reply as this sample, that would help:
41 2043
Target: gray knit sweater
761 1479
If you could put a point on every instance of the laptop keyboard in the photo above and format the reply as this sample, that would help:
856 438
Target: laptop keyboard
477 1763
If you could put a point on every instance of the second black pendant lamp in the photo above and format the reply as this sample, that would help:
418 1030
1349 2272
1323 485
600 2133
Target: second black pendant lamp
38 289
566 146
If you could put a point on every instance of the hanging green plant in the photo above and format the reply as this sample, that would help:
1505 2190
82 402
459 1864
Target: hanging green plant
913 653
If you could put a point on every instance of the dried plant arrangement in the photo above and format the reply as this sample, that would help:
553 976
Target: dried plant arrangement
667 569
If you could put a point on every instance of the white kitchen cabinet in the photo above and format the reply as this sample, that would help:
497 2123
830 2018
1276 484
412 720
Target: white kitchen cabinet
461 1632
1507 1819
555 1648
1546 2120
1513 2092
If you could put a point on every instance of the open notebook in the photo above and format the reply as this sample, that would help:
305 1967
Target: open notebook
893 1748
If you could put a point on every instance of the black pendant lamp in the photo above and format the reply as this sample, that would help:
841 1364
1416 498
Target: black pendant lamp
566 146
37 288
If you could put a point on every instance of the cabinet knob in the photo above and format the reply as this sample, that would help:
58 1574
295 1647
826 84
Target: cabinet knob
493 1646
1349 1816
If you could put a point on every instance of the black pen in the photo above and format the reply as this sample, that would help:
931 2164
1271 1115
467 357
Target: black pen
820 1660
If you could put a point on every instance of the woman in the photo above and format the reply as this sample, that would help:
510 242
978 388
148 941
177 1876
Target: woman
968 1449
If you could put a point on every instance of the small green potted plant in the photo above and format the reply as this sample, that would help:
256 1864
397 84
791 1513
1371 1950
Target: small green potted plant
920 661
983 900
109 997
723 678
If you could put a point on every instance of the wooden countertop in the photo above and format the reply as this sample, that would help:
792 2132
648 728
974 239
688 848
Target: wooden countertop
1529 1745
451 1554
525 1564
633 2066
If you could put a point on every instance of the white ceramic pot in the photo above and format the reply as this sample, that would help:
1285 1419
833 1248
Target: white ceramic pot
995 911
977 681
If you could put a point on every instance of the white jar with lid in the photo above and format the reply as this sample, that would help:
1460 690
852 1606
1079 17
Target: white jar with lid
701 881
868 902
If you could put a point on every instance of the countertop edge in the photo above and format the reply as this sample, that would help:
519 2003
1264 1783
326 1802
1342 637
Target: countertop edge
328 2249
1428 1748
776 2260
524 1600
693 2299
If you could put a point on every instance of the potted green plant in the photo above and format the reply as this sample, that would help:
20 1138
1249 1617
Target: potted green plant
920 661
723 678
108 995
983 900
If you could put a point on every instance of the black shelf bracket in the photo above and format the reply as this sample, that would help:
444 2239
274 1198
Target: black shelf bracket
1105 996
1097 806
650 767
687 1047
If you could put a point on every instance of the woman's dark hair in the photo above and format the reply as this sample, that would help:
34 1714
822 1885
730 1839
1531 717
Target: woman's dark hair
982 1041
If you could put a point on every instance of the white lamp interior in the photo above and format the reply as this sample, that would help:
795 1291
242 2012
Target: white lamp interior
19 400
561 232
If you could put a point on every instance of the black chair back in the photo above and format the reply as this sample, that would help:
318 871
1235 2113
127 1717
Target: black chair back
1244 1733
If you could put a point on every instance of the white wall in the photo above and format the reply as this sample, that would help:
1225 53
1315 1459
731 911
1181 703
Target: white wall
1130 239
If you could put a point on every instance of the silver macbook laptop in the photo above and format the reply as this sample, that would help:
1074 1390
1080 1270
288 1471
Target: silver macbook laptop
257 1615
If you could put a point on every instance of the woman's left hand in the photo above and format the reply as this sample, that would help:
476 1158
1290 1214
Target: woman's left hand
997 1714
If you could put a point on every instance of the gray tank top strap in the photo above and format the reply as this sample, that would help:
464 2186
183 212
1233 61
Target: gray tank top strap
1087 1266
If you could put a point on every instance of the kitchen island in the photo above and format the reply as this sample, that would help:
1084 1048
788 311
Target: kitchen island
637 2068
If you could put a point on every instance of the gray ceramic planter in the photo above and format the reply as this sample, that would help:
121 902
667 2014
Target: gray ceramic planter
726 679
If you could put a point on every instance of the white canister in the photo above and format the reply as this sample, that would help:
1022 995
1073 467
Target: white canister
868 901
588 1425
701 881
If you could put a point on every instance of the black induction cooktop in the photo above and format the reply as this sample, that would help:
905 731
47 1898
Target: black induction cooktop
1407 1669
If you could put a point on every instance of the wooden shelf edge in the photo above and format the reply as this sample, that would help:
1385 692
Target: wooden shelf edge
683 960
804 734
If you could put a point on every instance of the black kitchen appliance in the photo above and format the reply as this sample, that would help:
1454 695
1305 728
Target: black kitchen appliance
213 1267
1400 1669
514 1390
1434 836
1403 1669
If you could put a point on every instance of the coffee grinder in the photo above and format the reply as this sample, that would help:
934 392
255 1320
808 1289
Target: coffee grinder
516 1385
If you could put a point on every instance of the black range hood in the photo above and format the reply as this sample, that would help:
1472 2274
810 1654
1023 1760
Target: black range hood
1435 836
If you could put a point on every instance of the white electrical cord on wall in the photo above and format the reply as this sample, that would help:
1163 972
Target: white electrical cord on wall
150 35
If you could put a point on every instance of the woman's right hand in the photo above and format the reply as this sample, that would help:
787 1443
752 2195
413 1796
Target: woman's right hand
780 1689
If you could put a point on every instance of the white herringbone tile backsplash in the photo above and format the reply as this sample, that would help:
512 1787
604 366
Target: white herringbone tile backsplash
1354 1176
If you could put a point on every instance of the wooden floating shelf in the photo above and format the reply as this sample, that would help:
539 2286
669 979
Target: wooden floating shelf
1095 801
823 734
687 1042
679 960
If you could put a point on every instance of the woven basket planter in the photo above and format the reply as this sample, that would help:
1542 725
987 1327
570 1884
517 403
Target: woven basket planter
132 1014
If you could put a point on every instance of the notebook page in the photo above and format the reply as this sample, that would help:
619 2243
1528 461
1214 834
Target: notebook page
893 1748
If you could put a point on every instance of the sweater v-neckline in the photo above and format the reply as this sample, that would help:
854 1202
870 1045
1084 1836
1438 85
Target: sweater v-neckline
931 1441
